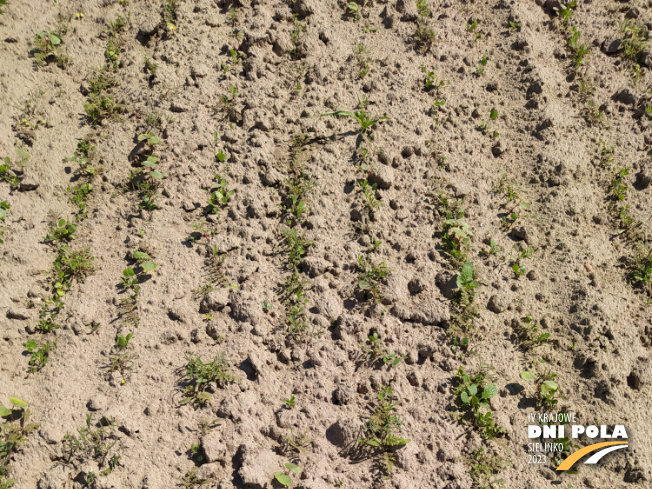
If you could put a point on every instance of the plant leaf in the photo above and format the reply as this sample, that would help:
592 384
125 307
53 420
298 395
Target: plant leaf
19 403
149 266
283 479
489 391
294 468
31 346
528 375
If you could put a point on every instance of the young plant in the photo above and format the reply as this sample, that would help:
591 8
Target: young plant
284 477
40 354
455 235
47 47
121 342
4 207
376 351
479 71
220 195
371 202
546 388
642 268
14 430
521 254
96 441
372 277
295 37
149 138
145 261
353 10
64 231
529 333
201 374
365 120
289 403
380 435
474 394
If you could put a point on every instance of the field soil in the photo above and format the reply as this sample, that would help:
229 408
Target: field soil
496 220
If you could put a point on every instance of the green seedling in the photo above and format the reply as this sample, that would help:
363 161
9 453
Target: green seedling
456 234
423 9
372 277
483 63
515 25
459 343
579 50
8 175
64 231
284 478
606 155
40 354
546 388
149 139
95 440
47 47
376 351
295 37
129 279
364 119
145 261
474 394
494 249
485 467
201 374
471 28
267 306
565 12
4 207
79 195
634 42
289 403
521 254
465 280
14 430
191 480
371 202
220 195
121 342
424 36
380 435
529 333
353 10
642 269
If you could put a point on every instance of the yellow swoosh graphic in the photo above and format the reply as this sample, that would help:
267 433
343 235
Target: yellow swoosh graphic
571 459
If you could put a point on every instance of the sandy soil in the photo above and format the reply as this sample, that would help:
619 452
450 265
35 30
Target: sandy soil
496 118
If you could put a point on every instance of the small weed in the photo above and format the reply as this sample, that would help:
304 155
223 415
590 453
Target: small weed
62 232
201 374
376 351
592 114
565 12
634 39
297 443
380 435
371 202
521 254
479 71
546 388
642 269
529 333
283 477
122 342
579 50
191 480
473 393
40 354
4 207
423 9
372 277
364 119
295 37
14 430
485 467
48 47
99 107
220 195
289 403
95 440
353 10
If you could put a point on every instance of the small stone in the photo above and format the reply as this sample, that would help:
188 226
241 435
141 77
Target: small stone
644 178
179 107
612 46
214 447
382 177
213 330
498 303
28 183
499 148
16 314
215 300
258 469
200 71
632 13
